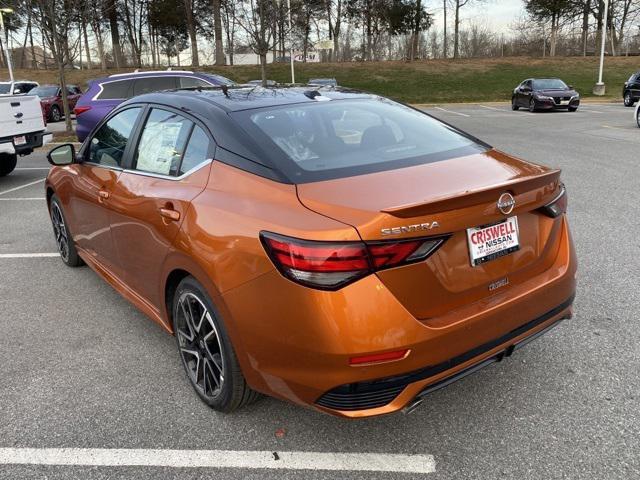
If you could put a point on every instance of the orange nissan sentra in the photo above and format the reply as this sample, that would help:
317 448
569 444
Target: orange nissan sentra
328 247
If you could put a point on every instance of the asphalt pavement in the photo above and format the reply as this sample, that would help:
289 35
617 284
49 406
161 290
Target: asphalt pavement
82 368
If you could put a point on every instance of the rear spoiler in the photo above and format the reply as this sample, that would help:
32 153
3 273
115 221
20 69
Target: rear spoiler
464 199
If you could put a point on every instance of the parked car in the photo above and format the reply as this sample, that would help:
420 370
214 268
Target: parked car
22 128
267 232
104 94
631 90
51 100
17 87
322 82
545 94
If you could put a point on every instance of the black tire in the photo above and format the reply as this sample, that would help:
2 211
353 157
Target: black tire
206 351
628 99
572 109
638 117
54 114
532 105
8 162
514 104
64 240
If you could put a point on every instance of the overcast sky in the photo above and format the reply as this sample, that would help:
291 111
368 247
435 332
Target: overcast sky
497 14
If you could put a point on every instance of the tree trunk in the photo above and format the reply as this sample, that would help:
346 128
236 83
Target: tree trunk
444 40
456 31
112 15
86 44
191 27
217 28
336 31
263 68
417 20
554 35
34 61
585 26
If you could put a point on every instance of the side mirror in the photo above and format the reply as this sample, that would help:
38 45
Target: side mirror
526 89
62 155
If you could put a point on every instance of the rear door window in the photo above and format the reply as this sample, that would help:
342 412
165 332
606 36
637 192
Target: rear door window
119 90
108 145
153 84
162 142
197 150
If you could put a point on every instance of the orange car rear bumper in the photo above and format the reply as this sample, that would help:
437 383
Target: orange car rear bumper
295 343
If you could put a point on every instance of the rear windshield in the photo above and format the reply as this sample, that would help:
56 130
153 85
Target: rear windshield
5 88
549 84
341 138
45 91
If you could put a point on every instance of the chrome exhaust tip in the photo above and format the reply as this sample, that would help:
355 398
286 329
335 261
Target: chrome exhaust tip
412 406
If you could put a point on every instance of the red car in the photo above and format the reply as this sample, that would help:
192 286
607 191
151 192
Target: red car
51 100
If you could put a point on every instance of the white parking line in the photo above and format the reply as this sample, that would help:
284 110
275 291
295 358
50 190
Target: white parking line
18 199
451 111
22 186
369 462
28 255
588 110
33 168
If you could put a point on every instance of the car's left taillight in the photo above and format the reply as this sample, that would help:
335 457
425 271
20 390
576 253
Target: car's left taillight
333 265
558 205
81 109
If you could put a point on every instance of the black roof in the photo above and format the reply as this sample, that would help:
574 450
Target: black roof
245 97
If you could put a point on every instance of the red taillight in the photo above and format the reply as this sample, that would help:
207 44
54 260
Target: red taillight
558 205
80 110
379 358
332 265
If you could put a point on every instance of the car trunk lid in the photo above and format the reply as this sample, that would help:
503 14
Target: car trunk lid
445 199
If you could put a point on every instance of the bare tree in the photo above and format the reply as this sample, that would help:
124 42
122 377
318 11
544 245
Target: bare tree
55 18
255 17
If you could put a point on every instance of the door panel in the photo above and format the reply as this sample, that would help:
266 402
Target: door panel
147 212
89 209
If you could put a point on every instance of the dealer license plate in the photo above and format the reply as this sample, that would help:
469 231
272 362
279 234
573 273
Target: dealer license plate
19 140
493 241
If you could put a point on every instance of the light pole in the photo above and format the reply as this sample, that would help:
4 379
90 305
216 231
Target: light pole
6 46
599 88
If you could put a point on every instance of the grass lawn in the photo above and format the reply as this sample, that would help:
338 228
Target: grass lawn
431 81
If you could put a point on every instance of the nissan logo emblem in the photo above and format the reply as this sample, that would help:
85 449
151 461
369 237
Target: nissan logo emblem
506 202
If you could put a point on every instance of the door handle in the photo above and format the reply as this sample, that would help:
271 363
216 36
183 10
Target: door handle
103 195
170 214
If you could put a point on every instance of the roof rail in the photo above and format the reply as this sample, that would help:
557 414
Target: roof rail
138 72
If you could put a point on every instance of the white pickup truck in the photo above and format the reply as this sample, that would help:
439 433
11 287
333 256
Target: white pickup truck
22 128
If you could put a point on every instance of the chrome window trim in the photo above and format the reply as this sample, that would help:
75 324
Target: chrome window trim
96 99
96 164
202 164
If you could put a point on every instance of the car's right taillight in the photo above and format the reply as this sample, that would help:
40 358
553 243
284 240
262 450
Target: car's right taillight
558 205
332 265
81 110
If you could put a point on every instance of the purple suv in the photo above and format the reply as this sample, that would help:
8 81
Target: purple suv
105 94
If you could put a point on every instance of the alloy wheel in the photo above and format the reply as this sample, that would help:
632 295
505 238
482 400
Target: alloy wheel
55 114
200 346
60 231
532 105
627 99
